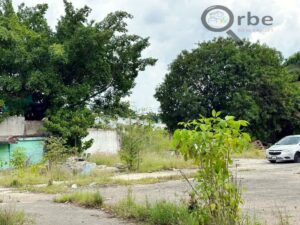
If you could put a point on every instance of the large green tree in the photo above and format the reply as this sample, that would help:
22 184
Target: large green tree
293 65
71 126
79 63
248 80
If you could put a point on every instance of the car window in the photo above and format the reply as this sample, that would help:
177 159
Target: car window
289 141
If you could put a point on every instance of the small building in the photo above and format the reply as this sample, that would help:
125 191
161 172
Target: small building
32 146
17 133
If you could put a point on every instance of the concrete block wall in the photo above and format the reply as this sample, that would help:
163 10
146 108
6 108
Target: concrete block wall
18 126
105 141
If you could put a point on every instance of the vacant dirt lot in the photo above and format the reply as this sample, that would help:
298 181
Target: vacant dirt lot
43 211
267 189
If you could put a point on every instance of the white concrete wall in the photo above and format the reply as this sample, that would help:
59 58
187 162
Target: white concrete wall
12 126
18 126
105 141
33 127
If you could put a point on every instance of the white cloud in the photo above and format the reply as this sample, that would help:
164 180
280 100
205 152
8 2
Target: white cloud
174 25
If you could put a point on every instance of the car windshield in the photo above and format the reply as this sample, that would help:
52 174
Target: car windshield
289 141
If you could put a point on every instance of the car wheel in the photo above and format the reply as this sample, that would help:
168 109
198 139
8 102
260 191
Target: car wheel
297 157
272 161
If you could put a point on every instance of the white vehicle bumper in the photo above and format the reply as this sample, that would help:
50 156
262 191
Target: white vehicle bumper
280 156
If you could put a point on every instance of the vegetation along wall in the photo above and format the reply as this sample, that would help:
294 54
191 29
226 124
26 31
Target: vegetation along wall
33 147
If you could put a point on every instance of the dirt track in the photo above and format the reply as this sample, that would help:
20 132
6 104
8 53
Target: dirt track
268 188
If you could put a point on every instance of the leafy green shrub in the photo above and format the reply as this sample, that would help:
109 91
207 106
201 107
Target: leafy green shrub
133 139
55 150
85 199
140 139
72 126
210 142
18 158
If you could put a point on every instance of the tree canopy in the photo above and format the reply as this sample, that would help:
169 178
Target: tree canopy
248 80
293 65
79 63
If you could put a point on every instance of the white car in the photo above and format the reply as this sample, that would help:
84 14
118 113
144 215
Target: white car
287 149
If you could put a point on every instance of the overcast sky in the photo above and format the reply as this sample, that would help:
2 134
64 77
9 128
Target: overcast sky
175 25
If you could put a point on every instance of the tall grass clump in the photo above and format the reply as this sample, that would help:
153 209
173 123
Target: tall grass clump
159 213
85 199
105 159
10 216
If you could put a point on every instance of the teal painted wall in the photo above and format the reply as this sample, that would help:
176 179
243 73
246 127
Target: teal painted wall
4 155
33 148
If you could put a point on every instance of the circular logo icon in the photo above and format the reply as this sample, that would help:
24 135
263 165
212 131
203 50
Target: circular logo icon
217 18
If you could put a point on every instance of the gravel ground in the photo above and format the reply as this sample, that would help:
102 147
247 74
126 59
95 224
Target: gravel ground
43 211
268 188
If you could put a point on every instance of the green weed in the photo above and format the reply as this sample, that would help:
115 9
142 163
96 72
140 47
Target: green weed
85 199
10 216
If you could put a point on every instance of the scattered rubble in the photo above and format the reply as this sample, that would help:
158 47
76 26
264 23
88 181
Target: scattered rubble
81 166
258 145
74 186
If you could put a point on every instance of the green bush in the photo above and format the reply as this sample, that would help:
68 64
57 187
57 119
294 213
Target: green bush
55 150
210 142
133 140
140 139
18 158
72 126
